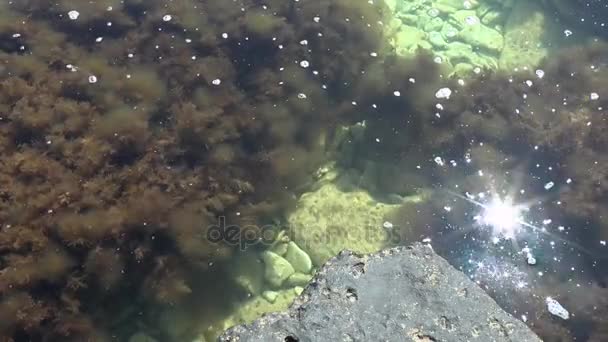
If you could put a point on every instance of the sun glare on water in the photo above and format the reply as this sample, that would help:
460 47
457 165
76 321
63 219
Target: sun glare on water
502 216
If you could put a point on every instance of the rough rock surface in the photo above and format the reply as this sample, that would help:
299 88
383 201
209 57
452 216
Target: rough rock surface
526 38
401 294
329 220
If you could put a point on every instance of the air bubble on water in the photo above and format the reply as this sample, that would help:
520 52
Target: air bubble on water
549 185
167 17
301 96
92 79
594 96
439 161
73 14
443 93
304 64
216 81
540 73
397 93
530 259
567 33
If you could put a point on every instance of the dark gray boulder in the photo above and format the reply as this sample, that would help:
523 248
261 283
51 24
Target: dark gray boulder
401 294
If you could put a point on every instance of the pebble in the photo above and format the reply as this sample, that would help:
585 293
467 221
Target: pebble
299 260
556 309
277 269
270 296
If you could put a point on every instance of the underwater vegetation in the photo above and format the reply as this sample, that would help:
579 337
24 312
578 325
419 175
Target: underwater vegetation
128 128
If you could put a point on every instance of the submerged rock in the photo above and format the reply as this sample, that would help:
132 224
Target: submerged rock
298 279
329 220
277 268
298 258
270 296
525 37
402 294
482 36
409 39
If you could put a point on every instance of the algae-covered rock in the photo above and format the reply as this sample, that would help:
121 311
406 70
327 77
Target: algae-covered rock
482 36
432 25
525 29
492 17
255 307
461 19
280 248
437 39
270 296
329 220
298 279
455 5
448 31
277 269
298 258
409 39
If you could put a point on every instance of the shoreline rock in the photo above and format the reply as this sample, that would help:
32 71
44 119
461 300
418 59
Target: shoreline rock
403 293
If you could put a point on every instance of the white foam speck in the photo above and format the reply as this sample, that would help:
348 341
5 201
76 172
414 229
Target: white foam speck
73 14
540 73
443 93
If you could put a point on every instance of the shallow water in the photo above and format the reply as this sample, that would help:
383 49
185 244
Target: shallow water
159 156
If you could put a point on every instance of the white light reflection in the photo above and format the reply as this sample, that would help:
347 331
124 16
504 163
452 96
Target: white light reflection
503 216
